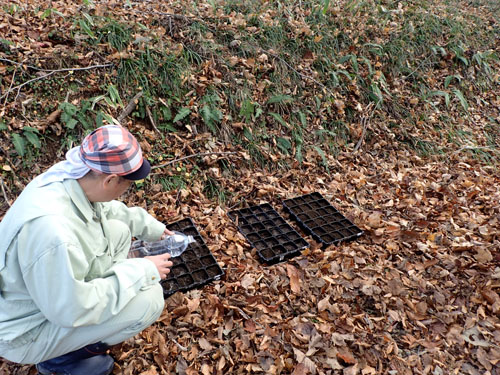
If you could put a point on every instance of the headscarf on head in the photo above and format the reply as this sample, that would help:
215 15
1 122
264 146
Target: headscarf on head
73 167
110 149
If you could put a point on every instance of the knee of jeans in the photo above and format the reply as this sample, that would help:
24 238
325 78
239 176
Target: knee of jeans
151 302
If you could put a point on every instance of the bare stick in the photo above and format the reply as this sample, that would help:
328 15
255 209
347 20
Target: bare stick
299 73
183 348
130 106
193 156
49 73
20 64
365 121
3 191
475 148
54 70
244 197
150 116
12 166
11 84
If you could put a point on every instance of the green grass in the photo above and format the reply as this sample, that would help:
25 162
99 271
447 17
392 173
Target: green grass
370 51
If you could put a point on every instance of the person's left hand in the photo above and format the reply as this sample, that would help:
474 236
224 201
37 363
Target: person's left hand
166 233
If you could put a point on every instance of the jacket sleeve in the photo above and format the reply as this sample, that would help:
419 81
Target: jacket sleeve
142 225
54 274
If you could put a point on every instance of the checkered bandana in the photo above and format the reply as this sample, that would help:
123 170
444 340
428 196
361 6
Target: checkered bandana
111 149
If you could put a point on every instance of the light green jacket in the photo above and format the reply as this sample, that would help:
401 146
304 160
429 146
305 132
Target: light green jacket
57 263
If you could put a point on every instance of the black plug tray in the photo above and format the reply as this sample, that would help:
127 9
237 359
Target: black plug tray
195 267
273 238
320 219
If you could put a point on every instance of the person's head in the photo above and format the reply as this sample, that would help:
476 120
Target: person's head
115 160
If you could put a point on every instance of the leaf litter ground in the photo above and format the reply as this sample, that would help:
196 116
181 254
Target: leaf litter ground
417 293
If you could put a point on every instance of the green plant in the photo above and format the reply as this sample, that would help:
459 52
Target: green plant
214 190
49 12
250 111
28 137
210 112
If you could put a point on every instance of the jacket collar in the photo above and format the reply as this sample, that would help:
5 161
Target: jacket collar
79 199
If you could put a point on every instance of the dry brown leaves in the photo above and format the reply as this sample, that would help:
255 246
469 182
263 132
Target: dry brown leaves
417 294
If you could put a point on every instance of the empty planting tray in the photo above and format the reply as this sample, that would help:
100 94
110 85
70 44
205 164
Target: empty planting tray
195 267
273 238
320 219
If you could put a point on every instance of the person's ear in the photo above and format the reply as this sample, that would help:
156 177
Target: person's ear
110 180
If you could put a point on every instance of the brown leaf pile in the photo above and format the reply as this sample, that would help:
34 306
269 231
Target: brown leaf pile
419 293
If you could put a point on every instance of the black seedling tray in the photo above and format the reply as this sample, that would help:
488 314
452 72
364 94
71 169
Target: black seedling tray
320 219
195 267
273 238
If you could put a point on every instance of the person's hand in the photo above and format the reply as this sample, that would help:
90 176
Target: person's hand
166 233
162 263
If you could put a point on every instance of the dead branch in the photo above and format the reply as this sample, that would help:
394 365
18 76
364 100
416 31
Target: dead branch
49 73
12 166
183 348
10 87
20 64
53 70
152 121
243 198
3 191
488 148
130 106
365 120
193 156
297 72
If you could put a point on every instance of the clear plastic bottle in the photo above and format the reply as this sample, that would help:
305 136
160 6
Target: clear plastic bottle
174 245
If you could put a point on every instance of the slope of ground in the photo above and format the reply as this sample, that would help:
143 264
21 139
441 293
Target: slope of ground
271 101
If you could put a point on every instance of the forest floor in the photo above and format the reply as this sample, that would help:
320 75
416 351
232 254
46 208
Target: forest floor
416 170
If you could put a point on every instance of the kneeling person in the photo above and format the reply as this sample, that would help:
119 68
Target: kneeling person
68 291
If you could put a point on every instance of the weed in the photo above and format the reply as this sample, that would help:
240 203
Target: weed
214 190
27 143
210 112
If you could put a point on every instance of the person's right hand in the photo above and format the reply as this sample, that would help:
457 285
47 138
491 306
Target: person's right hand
162 263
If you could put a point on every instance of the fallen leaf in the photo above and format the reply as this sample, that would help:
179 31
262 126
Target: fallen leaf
293 274
300 369
204 344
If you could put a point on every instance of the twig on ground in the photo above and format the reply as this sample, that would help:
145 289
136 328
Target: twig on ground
152 121
365 120
20 64
177 200
476 148
10 87
130 106
299 73
12 166
3 191
193 156
170 15
54 70
49 73
183 348
243 198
